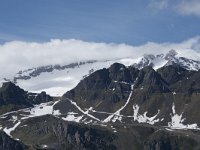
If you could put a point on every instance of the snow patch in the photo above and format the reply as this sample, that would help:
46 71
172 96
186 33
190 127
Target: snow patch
14 119
174 93
17 139
1 83
71 117
41 110
143 118
114 129
177 121
122 82
44 146
169 129
9 130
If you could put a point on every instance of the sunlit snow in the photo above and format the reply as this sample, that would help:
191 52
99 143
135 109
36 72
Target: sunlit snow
143 118
177 121
9 130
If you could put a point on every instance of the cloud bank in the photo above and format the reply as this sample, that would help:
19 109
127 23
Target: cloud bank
19 55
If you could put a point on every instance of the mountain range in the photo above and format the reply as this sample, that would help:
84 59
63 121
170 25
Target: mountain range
152 104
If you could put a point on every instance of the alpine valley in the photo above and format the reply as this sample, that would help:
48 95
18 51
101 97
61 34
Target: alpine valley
148 103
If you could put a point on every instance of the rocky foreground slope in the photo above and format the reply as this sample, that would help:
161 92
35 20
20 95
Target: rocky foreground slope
115 108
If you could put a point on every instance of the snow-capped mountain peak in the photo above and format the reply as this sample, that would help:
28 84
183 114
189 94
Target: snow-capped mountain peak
170 58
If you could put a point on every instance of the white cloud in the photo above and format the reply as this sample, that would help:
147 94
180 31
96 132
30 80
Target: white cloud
158 4
18 55
189 7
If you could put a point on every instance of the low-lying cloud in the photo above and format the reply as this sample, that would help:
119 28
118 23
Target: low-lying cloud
19 55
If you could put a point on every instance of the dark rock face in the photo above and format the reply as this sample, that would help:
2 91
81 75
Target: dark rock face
60 135
12 94
120 73
152 80
169 141
39 98
7 143
12 98
104 88
110 88
172 73
154 91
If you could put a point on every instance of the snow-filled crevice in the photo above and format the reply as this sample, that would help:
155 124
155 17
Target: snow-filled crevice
116 115
84 112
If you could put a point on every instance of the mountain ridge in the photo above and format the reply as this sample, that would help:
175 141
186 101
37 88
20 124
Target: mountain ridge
107 109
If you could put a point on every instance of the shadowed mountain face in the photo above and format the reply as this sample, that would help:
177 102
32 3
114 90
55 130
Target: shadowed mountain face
12 94
7 143
145 93
105 89
13 98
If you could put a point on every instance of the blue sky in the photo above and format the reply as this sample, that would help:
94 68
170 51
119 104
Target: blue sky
133 22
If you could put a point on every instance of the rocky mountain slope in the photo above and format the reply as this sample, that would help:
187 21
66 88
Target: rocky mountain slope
117 107
162 97
7 143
